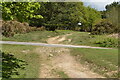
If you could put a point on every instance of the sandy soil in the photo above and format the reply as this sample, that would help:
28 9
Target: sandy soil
113 35
59 59
57 39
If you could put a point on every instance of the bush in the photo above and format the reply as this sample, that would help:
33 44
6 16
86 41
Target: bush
107 42
51 27
103 27
10 65
42 28
10 28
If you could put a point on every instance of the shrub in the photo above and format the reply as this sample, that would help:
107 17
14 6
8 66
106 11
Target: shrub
10 28
42 28
51 27
10 65
107 42
103 27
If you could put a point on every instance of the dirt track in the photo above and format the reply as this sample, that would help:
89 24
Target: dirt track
59 59
54 59
57 39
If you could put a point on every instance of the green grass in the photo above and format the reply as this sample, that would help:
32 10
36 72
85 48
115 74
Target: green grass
59 73
83 38
36 36
77 38
102 61
32 59
62 74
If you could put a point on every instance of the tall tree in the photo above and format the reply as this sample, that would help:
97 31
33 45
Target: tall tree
90 16
64 13
112 13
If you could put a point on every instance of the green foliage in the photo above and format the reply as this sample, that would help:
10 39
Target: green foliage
103 14
21 11
29 55
66 15
103 27
85 38
89 17
10 65
52 27
112 14
107 42
56 15
62 74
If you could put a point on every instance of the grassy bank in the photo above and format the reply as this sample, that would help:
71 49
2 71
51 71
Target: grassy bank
27 54
104 62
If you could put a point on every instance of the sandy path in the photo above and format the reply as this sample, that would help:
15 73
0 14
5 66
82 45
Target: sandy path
57 39
59 59
46 54
72 68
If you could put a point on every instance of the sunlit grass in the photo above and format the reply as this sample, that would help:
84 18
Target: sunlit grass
102 61
27 54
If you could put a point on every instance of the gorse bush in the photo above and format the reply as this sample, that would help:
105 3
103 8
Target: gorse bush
103 27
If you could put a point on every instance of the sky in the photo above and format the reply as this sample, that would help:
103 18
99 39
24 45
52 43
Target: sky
98 4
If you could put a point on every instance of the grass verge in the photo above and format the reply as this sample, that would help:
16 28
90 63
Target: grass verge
84 38
104 62
27 54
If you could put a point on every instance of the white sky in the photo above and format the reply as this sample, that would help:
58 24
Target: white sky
97 4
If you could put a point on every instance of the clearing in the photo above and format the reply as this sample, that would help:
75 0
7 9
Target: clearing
54 62
51 62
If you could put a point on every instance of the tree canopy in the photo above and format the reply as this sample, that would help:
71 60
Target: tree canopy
62 15
21 11
112 14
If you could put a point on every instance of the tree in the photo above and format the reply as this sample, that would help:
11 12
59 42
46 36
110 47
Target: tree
21 11
89 18
103 14
112 14
63 15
